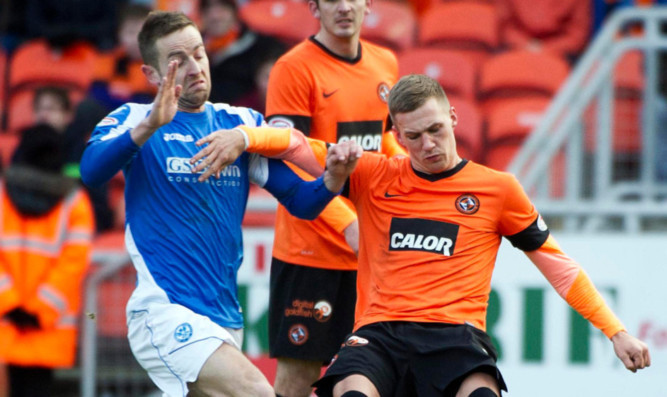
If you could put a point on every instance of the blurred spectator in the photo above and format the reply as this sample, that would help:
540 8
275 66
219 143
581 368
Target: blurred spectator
235 52
52 106
65 22
562 26
46 227
118 77
256 98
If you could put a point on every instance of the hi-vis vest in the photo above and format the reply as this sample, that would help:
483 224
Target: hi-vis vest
43 261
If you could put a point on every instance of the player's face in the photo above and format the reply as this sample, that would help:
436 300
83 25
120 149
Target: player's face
187 47
340 18
427 133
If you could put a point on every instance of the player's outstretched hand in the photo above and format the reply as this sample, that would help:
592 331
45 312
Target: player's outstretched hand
633 353
166 101
222 148
164 107
341 160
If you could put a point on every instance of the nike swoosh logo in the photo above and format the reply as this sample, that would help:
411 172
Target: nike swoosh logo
328 94
387 195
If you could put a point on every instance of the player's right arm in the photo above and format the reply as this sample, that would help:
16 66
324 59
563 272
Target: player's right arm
111 148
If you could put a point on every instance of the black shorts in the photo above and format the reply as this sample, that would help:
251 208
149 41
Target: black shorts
413 359
311 310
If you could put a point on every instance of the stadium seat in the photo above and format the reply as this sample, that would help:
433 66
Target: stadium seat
35 63
453 70
8 143
391 24
628 77
499 156
187 7
470 27
288 21
468 131
521 73
514 119
19 110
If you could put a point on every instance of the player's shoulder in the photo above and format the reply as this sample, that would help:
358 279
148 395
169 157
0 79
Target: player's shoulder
296 54
378 51
489 174
248 116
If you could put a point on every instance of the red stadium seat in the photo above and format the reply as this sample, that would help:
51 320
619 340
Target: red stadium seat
501 155
187 7
628 78
522 73
468 131
35 63
19 111
467 26
391 24
515 119
453 70
289 21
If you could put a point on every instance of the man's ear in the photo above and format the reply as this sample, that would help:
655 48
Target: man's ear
152 75
454 116
397 136
314 8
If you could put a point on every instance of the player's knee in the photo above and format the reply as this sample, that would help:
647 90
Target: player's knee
353 393
483 392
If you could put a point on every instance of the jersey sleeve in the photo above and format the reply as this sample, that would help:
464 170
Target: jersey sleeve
573 284
111 147
303 199
288 98
519 221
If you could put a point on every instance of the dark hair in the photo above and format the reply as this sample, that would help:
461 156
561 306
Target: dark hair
412 91
157 25
41 147
61 94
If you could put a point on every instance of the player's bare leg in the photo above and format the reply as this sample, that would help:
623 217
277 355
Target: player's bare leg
356 382
294 377
476 382
229 373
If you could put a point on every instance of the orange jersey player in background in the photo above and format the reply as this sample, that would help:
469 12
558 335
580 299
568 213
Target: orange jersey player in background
333 87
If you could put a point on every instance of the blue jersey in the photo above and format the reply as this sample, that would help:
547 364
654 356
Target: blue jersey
184 236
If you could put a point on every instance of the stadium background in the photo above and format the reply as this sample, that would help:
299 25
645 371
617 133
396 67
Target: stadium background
582 129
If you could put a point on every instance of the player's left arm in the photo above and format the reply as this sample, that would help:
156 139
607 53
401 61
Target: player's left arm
573 284
566 276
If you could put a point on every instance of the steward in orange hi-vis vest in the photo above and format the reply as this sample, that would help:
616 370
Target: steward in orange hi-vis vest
46 226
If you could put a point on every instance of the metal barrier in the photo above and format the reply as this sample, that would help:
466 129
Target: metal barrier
607 183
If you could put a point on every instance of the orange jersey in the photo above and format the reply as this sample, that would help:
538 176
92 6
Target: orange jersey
332 99
428 243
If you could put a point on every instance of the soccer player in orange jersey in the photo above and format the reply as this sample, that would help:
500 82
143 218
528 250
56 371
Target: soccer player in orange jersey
430 229
332 86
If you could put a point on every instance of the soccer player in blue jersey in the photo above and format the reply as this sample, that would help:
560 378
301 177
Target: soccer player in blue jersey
183 225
